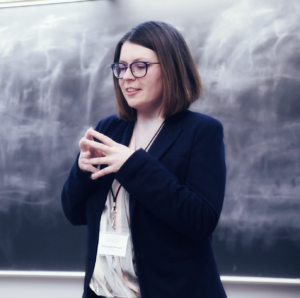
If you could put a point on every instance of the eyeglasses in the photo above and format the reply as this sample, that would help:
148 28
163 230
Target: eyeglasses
138 69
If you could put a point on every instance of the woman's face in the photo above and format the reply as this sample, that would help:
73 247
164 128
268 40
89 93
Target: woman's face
143 94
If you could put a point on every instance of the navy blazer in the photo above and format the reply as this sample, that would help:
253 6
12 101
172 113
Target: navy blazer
176 196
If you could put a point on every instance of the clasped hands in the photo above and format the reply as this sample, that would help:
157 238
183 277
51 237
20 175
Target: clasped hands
108 153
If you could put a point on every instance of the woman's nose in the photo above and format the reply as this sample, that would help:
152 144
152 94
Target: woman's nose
128 74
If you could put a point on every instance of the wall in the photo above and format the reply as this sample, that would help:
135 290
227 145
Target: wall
55 82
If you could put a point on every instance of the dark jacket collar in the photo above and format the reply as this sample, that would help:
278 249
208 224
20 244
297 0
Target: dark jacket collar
165 139
167 136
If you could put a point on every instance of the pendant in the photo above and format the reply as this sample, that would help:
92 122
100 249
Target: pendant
114 212
114 208
113 223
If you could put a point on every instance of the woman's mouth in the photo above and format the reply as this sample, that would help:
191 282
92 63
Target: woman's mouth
131 91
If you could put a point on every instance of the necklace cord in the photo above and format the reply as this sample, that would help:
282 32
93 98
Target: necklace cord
155 135
114 209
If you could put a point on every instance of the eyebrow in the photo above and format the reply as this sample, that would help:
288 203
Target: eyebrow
135 60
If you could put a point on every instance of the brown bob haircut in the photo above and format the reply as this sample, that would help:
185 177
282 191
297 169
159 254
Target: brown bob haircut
181 80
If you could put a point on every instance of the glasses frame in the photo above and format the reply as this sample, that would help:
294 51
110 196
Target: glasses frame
130 66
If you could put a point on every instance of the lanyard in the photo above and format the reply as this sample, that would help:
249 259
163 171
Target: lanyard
114 208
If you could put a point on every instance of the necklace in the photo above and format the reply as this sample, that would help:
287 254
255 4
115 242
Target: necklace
114 208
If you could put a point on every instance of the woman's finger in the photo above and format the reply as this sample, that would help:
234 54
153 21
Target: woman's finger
86 167
83 164
91 168
102 172
88 133
98 161
103 138
83 146
85 154
87 136
99 146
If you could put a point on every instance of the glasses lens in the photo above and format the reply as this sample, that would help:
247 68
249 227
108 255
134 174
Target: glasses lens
119 70
139 69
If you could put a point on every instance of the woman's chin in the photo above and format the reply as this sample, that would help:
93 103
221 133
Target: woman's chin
134 104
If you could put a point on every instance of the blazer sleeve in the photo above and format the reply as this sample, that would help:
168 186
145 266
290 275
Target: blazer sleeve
75 193
193 207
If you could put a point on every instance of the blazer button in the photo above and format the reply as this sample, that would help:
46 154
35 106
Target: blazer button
140 255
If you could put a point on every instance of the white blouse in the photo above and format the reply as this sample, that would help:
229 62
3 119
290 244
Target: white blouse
116 276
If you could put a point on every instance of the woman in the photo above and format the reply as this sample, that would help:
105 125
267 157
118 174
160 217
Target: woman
149 183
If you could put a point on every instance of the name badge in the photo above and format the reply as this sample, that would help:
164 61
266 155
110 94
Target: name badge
112 244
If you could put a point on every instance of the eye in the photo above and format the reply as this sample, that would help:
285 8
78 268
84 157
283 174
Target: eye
121 67
140 65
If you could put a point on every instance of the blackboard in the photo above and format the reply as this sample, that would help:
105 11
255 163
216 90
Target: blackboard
55 82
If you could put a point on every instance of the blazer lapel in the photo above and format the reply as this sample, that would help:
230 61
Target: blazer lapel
165 139
126 133
167 136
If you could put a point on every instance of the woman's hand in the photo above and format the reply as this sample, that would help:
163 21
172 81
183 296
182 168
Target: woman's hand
106 153
87 152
